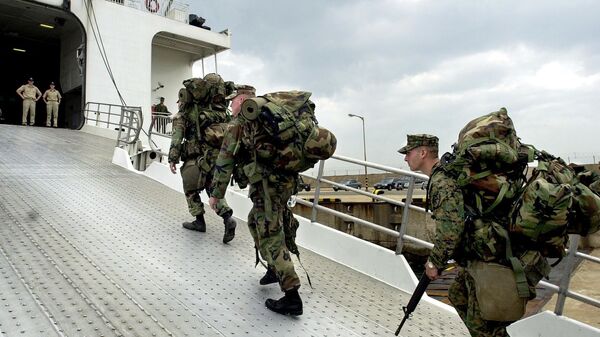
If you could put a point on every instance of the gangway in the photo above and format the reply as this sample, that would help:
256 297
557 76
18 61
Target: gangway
88 248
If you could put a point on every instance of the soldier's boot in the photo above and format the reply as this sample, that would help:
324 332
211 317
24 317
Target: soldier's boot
230 225
269 277
196 225
290 304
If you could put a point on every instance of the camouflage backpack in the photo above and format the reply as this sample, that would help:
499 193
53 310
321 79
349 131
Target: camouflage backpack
554 203
489 161
203 90
282 130
207 95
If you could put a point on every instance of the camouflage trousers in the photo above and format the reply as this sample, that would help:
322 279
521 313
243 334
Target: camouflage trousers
194 181
267 228
462 296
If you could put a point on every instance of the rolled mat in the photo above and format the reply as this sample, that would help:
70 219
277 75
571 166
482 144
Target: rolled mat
252 106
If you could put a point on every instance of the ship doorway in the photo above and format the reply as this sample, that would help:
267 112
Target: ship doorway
45 43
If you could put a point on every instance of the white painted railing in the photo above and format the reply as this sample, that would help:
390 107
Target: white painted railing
175 10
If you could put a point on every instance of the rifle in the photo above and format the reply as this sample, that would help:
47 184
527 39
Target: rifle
414 300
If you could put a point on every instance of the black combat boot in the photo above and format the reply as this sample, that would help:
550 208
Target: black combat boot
230 225
196 225
269 277
290 304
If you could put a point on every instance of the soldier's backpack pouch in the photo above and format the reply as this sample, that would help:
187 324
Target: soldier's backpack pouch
587 211
496 291
254 172
487 241
544 215
197 87
214 134
320 144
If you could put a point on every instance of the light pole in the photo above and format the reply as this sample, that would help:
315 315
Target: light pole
364 149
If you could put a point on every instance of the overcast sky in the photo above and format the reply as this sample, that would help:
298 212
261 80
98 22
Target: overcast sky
423 67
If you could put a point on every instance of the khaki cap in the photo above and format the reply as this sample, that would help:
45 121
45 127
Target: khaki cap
414 141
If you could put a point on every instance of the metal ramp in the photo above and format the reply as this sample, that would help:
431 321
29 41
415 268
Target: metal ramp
88 248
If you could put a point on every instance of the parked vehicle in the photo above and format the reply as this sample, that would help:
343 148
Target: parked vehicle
392 183
350 183
401 184
404 183
385 184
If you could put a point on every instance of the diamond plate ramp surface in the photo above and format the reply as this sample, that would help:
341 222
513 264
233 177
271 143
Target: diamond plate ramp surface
90 249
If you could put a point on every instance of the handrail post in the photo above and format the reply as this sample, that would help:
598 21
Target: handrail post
564 282
313 217
151 131
120 123
130 126
405 215
97 114
140 119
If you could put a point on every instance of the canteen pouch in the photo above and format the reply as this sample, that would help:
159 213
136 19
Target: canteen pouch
496 291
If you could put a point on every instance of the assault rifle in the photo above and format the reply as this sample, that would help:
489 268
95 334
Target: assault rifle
414 300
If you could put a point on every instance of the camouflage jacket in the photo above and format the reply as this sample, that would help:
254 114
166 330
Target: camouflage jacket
178 130
230 156
445 199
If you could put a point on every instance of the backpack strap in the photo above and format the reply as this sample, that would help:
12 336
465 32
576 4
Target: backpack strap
198 132
517 267
305 272
258 259
465 180
496 202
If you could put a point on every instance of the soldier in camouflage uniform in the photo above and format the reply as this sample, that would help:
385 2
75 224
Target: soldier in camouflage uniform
445 199
161 109
199 158
269 192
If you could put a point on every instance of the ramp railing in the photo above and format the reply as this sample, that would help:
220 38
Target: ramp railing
127 120
160 131
570 260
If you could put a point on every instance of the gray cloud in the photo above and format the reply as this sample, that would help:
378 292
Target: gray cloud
424 66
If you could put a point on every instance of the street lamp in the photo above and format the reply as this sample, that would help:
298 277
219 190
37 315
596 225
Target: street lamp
364 149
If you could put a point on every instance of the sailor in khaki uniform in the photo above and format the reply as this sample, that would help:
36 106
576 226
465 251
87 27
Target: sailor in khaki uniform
52 98
30 95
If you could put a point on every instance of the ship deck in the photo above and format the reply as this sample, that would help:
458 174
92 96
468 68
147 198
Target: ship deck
88 248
